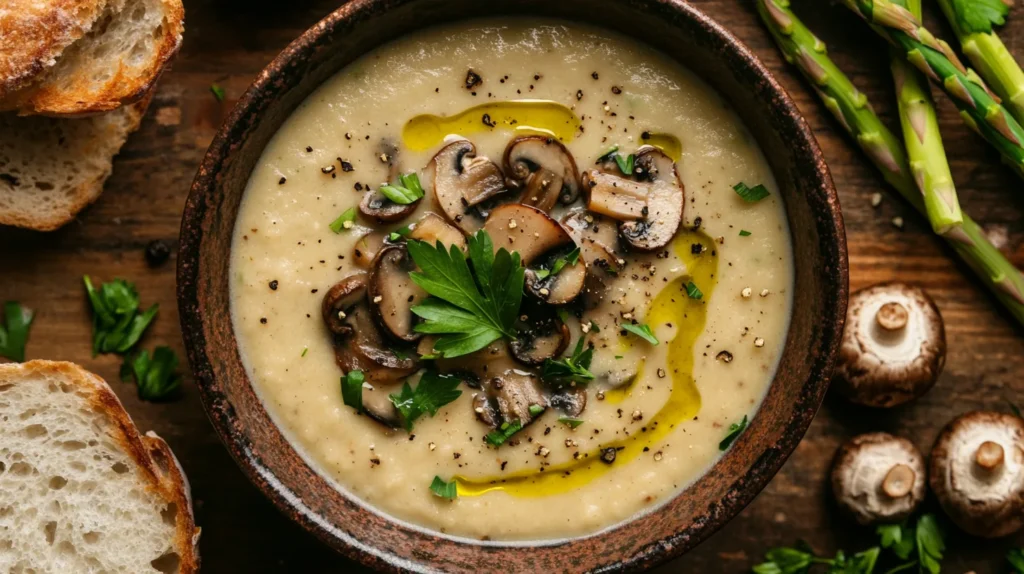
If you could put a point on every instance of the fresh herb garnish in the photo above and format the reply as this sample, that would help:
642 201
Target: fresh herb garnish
445 490
154 376
571 422
568 259
407 191
744 233
14 332
930 544
608 154
503 433
432 392
574 369
400 233
797 561
117 323
536 410
751 194
625 163
641 330
304 351
217 91
897 537
734 431
471 305
347 217
693 291
979 16
352 389
1016 559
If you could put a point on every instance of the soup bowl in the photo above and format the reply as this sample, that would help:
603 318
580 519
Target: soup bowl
262 451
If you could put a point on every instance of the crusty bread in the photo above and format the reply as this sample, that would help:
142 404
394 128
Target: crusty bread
52 168
116 63
80 489
34 33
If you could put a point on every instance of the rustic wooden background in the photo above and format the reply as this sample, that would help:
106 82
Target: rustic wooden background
229 41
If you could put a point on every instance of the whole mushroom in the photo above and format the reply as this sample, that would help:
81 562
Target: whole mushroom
878 478
894 346
977 473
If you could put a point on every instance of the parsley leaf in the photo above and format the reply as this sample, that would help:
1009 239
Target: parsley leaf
642 331
979 16
570 258
407 191
352 389
432 392
154 376
693 291
897 537
117 323
751 194
14 332
347 217
445 490
471 306
930 544
217 91
625 163
571 422
574 369
400 233
612 151
796 561
503 433
744 233
1016 559
734 431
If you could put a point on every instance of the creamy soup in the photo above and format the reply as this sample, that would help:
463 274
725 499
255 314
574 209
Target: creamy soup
639 421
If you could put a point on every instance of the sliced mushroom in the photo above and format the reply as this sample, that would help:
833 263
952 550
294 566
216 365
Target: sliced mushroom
530 232
392 293
339 301
433 228
594 233
570 400
877 477
650 205
379 407
893 348
508 398
364 350
376 206
542 336
365 250
542 170
977 473
463 184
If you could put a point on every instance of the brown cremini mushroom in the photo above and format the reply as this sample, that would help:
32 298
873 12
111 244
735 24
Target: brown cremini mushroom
464 184
392 293
365 250
508 397
542 170
977 473
375 205
878 478
433 228
541 335
894 346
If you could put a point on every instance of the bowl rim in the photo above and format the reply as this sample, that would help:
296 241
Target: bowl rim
738 495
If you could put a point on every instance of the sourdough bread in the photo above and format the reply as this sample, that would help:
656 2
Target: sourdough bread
80 489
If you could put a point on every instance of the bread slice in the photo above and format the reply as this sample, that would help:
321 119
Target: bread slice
52 168
115 64
34 33
80 489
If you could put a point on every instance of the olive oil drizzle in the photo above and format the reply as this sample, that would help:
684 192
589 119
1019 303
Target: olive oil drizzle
535 116
671 305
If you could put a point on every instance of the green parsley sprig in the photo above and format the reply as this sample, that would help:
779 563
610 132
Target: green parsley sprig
432 392
407 191
155 376
352 389
573 369
117 322
797 561
751 194
473 302
641 330
14 332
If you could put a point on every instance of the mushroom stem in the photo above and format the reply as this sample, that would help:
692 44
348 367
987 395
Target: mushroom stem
989 455
892 316
899 481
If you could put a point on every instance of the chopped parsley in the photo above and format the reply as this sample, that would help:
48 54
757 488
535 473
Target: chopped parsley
734 431
570 258
217 91
503 433
641 330
625 163
744 233
751 194
352 389
693 291
407 191
445 490
154 376
14 331
570 422
470 307
536 410
400 233
344 220
574 369
432 392
117 323
612 151
304 351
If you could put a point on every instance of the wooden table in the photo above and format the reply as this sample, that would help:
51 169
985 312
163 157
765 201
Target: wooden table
229 41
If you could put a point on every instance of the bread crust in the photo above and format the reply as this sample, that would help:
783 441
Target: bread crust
153 458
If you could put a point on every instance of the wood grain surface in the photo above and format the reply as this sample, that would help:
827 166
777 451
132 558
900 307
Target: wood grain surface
229 41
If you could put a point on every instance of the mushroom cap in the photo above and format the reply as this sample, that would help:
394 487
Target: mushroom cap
375 205
462 181
894 346
977 472
433 228
878 477
543 169
392 293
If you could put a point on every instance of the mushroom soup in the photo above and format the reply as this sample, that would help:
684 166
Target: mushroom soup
511 280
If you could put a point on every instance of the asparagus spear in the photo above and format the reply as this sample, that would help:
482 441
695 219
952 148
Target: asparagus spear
979 107
928 163
973 22
801 48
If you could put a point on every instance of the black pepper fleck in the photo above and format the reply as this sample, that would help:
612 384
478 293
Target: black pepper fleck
157 252
473 80
273 285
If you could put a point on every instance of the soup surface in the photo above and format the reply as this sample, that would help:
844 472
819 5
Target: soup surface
716 298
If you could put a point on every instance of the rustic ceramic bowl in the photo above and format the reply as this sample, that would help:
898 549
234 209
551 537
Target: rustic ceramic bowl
678 30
